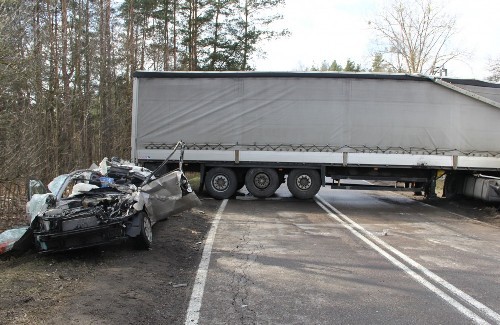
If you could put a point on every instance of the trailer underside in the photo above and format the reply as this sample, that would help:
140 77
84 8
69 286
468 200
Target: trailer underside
221 179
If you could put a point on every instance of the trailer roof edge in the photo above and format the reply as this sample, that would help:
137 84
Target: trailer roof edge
452 86
472 82
259 74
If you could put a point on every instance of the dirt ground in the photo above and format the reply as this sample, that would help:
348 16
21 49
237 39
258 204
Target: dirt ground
466 207
114 284
117 284
469 208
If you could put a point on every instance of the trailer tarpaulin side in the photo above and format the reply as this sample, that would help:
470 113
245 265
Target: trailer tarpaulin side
364 113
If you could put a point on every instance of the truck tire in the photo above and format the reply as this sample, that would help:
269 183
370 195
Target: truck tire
303 183
262 182
221 183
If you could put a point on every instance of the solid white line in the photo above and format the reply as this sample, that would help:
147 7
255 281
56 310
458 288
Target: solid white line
459 293
193 311
461 308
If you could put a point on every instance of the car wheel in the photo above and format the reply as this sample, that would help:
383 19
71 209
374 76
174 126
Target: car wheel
303 183
221 183
145 238
262 182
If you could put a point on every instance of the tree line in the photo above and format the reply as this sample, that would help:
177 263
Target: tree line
66 69
378 65
66 65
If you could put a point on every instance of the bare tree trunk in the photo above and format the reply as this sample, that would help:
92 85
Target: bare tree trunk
194 36
143 42
246 13
104 78
88 119
216 36
191 34
65 116
130 48
175 35
53 106
166 47
40 117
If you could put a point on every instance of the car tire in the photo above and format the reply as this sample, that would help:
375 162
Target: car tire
145 238
303 183
221 183
262 182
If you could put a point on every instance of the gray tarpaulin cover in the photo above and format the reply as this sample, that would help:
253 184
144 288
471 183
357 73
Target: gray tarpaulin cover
356 112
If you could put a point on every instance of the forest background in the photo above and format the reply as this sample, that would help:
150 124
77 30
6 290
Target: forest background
66 69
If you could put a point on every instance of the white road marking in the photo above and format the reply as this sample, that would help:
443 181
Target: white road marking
462 295
193 311
351 225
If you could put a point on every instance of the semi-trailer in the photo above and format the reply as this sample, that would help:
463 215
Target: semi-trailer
311 129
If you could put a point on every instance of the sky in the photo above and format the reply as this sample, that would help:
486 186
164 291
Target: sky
338 30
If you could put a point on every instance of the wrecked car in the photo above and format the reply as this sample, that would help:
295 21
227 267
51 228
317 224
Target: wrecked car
106 203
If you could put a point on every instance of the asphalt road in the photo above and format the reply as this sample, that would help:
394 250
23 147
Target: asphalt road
346 257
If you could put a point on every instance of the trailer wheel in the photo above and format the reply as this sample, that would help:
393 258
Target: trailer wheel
221 183
303 183
262 182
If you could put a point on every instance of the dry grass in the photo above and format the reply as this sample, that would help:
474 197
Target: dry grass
12 204
194 179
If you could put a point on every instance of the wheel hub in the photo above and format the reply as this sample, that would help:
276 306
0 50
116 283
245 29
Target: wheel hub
220 183
304 182
261 181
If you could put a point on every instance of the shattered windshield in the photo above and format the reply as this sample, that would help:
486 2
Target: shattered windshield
57 183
